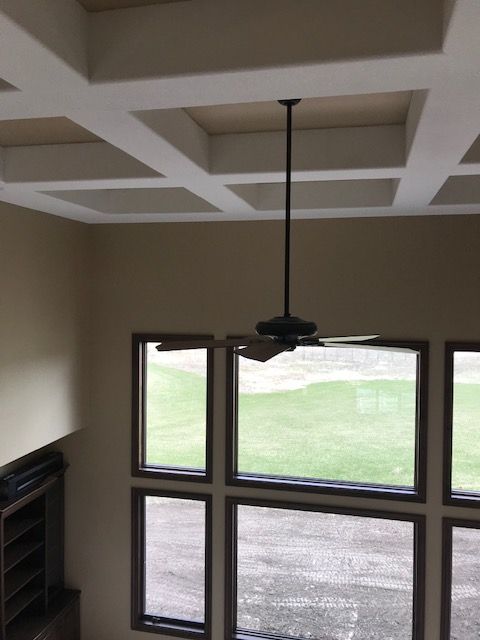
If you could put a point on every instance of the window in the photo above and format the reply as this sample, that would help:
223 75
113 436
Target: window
172 551
337 420
172 410
345 422
462 428
461 588
293 575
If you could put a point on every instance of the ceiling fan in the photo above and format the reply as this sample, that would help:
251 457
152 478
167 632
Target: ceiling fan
281 333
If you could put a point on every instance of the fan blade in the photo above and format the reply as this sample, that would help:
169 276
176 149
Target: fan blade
376 347
173 345
348 339
262 352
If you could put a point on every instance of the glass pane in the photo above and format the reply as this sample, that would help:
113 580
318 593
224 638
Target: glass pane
175 558
318 575
329 413
465 617
466 422
176 407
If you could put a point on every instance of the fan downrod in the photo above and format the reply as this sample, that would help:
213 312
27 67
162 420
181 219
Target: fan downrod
287 328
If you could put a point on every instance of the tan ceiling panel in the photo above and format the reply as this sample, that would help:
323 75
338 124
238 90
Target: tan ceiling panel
326 194
168 200
459 190
311 113
37 131
473 154
108 5
6 86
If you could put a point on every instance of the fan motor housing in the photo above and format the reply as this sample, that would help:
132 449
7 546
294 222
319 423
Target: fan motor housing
285 327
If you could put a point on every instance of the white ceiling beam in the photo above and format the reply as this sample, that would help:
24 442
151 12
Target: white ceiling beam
309 176
444 123
189 142
18 105
93 184
172 153
466 169
395 73
449 123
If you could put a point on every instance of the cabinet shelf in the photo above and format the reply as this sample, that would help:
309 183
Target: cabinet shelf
16 553
60 623
18 579
17 527
31 566
20 601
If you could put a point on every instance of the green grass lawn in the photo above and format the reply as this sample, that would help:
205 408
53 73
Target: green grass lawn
176 409
352 431
359 431
466 438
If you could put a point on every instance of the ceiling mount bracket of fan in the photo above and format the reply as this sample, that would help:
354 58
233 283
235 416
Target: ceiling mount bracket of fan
280 333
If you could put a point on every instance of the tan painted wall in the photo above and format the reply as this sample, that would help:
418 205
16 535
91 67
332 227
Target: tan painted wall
416 278
43 315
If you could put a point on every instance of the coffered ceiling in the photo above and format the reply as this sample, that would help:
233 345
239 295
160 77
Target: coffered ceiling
165 110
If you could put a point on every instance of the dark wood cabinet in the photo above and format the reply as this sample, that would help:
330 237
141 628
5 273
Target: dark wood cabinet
33 601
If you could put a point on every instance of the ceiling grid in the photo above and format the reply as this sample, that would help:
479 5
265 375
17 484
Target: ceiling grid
166 110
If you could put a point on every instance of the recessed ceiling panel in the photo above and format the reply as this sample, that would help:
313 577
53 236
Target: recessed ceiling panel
6 86
108 5
37 131
327 194
168 200
310 113
459 190
473 154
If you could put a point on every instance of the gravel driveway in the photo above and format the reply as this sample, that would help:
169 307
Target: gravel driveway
321 576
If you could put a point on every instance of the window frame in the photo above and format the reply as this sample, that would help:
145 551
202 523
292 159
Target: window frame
451 497
158 624
447 555
139 467
330 487
419 560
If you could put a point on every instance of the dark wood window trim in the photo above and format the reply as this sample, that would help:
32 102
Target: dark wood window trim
418 606
448 525
361 490
139 467
154 624
451 497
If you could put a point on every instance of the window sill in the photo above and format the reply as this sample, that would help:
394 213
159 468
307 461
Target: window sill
406 494
168 627
171 473
463 499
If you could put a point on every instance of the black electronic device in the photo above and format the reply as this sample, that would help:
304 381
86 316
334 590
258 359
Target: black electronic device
25 478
